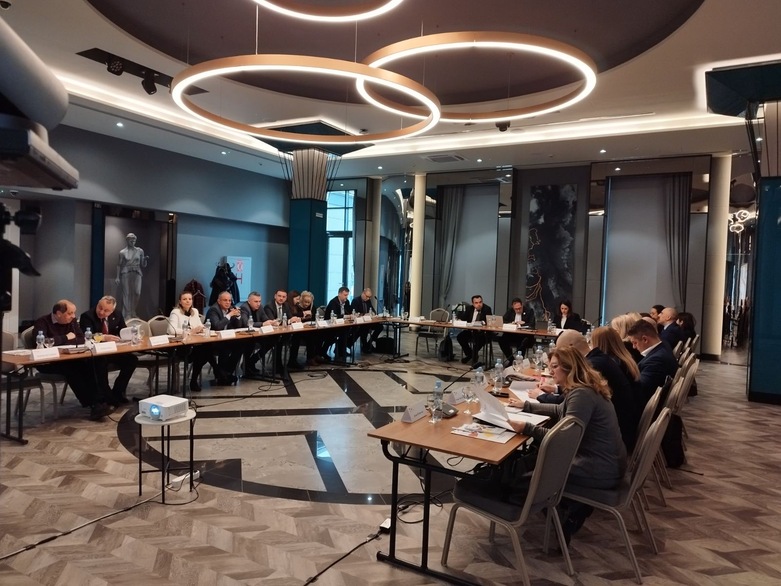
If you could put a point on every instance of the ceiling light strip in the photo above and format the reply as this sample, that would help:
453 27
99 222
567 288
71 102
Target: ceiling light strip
515 42
330 14
304 64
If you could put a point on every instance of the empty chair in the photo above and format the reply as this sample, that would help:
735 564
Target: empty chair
158 325
623 497
29 380
546 483
53 379
430 332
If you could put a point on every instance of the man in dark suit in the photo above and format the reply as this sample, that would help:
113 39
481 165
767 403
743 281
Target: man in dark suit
280 310
658 361
223 316
362 305
670 332
252 313
338 307
106 321
518 315
473 340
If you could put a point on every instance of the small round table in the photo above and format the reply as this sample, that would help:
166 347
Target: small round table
165 447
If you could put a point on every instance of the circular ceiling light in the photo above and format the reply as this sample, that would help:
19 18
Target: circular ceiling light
513 42
312 65
330 13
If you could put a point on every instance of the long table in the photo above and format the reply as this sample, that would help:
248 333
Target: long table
432 437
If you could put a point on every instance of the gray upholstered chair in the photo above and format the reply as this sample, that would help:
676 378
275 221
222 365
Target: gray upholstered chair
28 341
429 332
624 497
30 380
545 488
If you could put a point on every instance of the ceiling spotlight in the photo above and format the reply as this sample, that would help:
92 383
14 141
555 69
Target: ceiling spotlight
148 83
115 65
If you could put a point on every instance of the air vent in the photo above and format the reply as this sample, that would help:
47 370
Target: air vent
446 158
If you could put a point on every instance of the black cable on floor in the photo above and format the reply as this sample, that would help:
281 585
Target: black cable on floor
368 539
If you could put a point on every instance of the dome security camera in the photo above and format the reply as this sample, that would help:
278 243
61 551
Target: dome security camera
503 125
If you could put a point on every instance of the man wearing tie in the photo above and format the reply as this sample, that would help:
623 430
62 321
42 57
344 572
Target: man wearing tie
521 317
473 340
337 308
277 310
106 322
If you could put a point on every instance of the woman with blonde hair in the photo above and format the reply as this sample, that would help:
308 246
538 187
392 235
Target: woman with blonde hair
629 404
622 323
600 461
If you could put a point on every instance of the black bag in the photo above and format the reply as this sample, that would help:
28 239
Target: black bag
672 443
385 345
445 350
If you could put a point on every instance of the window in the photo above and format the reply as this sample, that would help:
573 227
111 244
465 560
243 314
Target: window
339 226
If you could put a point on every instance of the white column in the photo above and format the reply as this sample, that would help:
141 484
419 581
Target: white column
418 230
716 256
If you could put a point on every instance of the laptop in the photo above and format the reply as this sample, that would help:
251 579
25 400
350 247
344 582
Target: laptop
541 324
493 321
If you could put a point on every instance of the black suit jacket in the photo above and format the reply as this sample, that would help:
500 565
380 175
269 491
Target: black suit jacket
219 321
527 315
655 367
573 322
468 314
270 310
672 334
249 317
362 307
90 319
335 308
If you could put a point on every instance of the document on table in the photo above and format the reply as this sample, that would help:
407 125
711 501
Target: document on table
494 412
484 432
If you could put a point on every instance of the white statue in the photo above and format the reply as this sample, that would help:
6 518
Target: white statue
130 274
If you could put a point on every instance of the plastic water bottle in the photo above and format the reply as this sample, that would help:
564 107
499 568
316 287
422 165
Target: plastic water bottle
588 335
135 338
284 320
355 314
538 358
186 329
479 379
88 337
436 411
39 340
498 375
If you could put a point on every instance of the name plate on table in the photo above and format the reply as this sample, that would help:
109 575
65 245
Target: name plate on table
297 325
456 397
46 353
339 320
459 323
106 347
414 412
416 319
321 323
158 340
225 334
509 327
267 329
363 319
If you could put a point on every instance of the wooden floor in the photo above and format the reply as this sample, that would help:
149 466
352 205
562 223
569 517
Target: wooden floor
291 483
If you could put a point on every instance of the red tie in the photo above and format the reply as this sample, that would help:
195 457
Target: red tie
105 326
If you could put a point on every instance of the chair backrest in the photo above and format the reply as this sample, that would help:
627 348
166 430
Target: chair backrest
28 338
645 422
439 315
158 325
647 448
678 349
693 343
554 460
684 355
8 344
686 382
143 327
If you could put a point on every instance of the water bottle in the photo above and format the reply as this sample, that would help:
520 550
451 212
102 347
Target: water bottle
479 379
135 337
186 328
588 335
518 361
498 376
284 320
436 411
538 358
88 337
39 340
355 315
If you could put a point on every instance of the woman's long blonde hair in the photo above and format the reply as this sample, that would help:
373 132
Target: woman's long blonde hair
608 340
622 323
579 372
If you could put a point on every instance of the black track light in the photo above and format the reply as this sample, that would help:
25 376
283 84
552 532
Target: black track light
148 83
115 65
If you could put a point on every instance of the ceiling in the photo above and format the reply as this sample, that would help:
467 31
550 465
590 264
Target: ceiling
649 101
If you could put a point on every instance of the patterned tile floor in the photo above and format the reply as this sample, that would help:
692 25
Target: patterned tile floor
291 483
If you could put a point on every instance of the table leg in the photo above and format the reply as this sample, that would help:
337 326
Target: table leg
163 459
140 457
192 465
19 437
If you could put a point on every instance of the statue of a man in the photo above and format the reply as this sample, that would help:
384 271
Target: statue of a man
130 274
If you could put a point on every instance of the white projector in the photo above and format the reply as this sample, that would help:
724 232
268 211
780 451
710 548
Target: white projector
163 407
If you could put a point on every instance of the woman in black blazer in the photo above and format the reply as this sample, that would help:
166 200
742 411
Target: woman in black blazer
565 318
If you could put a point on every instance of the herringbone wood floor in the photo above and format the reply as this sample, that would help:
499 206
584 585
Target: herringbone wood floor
721 525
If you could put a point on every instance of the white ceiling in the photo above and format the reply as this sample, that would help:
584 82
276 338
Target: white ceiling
650 106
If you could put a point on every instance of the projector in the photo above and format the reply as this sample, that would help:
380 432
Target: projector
163 407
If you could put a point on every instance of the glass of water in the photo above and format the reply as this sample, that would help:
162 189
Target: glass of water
48 342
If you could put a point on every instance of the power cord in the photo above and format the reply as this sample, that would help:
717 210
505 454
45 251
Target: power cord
369 539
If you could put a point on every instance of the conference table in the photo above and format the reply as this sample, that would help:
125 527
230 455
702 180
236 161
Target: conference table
416 440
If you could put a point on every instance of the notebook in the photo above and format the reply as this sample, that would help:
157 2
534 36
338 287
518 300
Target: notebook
494 412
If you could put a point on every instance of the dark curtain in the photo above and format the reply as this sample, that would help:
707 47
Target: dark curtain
677 207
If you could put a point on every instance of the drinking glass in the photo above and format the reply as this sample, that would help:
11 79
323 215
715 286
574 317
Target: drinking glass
405 315
436 410
48 342
469 393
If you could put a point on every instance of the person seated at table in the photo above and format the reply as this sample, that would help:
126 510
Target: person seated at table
280 310
337 308
629 401
565 318
600 461
473 340
362 305
224 316
688 324
658 361
655 312
253 314
669 331
62 327
516 314
314 339
622 323
185 317
106 322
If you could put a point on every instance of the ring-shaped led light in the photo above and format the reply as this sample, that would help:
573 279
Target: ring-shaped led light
514 42
330 13
304 64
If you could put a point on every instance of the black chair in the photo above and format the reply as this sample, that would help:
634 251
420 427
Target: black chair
546 485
